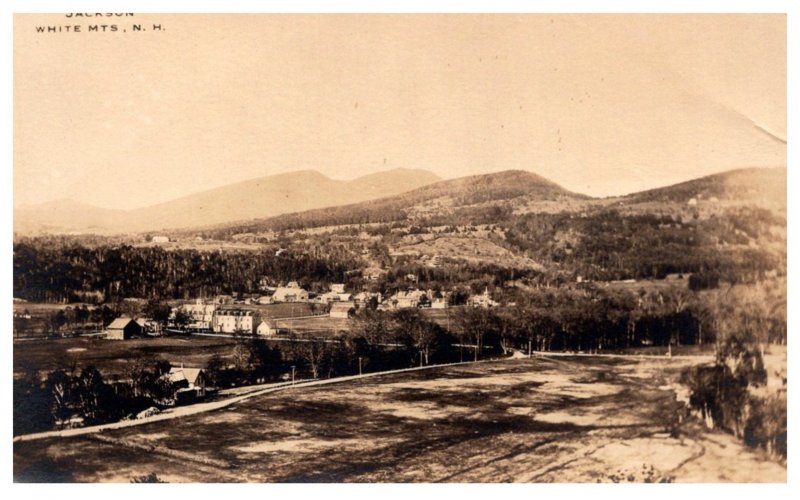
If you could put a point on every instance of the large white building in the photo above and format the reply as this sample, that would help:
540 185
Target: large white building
228 320
201 314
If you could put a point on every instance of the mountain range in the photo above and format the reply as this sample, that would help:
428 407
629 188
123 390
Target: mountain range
310 199
255 198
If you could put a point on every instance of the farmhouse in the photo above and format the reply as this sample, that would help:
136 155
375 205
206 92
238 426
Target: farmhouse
160 239
290 294
337 288
333 296
229 320
267 328
342 310
123 328
326 298
189 377
191 383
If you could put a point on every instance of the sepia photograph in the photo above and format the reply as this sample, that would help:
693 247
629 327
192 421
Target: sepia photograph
399 248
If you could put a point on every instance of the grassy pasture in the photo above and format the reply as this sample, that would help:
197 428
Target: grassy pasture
112 357
323 326
523 420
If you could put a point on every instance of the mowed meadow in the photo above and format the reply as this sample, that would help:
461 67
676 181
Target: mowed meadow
564 418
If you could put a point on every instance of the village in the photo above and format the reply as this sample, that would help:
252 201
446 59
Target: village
225 314
214 334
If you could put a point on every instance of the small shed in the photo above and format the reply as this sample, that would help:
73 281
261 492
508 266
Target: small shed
123 328
267 329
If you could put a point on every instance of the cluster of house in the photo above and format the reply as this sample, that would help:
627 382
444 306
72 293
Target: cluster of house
413 297
225 315
225 319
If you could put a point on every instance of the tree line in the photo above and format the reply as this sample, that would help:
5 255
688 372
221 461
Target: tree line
48 272
81 397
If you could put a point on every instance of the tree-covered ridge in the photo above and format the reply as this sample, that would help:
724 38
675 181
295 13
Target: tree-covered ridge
740 244
56 273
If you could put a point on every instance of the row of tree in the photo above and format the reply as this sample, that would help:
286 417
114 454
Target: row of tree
46 271
70 397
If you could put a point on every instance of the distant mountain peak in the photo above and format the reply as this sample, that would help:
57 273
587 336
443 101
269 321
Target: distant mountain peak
244 200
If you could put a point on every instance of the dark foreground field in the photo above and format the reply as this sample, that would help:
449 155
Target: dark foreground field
518 420
113 357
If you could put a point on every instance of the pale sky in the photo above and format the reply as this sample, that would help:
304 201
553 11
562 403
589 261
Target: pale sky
601 104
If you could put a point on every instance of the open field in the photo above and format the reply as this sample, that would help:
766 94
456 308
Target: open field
38 324
323 326
653 285
286 310
522 420
192 243
112 357
470 249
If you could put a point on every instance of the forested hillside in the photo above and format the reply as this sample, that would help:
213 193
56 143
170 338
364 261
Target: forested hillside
473 231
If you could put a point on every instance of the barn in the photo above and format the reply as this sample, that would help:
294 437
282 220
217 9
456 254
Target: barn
123 328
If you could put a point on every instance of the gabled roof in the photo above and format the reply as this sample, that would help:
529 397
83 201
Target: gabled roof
177 374
119 323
